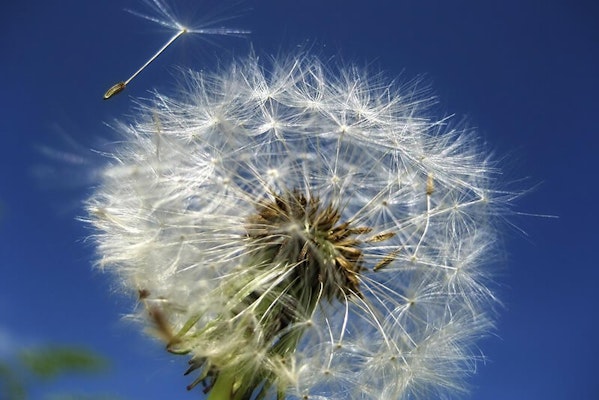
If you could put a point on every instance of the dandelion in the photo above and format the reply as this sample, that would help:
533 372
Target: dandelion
301 232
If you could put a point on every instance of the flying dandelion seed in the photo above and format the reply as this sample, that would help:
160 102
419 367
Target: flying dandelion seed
167 18
304 233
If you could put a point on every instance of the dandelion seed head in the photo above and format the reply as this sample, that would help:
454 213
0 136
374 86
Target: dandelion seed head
304 231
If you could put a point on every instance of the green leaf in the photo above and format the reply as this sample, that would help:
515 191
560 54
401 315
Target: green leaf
11 387
53 361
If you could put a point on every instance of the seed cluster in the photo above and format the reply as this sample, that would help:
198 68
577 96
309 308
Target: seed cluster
308 237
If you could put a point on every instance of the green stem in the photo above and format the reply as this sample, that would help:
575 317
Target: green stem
223 388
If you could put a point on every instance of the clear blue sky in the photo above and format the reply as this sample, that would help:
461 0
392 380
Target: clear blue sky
525 72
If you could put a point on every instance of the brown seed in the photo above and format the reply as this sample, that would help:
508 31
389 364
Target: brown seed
388 259
115 89
430 185
161 324
380 237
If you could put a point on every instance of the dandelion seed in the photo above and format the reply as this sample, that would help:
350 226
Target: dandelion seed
430 185
115 89
168 20
387 260
120 86
303 234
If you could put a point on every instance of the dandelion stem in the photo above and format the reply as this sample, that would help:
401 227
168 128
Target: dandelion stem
181 32
429 192
120 86
223 388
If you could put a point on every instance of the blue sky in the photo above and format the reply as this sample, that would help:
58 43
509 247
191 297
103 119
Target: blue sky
525 73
